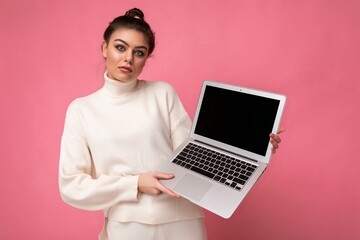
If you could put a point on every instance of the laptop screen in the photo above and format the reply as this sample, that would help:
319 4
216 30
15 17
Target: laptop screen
236 118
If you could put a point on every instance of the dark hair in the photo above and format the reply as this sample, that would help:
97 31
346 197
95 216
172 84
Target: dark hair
133 19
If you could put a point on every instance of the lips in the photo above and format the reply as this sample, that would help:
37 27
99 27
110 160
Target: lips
125 69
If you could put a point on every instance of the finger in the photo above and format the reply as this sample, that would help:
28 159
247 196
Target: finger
281 130
274 143
161 187
163 175
164 189
275 138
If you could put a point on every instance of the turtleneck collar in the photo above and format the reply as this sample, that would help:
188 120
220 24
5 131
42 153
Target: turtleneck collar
116 88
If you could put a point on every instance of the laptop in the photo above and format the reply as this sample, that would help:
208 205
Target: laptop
228 148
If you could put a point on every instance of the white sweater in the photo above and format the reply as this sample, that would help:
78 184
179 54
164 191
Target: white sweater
113 135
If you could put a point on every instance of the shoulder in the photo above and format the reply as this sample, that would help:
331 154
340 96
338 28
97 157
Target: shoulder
83 102
160 87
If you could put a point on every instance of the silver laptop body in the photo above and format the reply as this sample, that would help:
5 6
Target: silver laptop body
230 131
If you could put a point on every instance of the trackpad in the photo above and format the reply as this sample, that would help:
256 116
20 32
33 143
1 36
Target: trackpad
193 187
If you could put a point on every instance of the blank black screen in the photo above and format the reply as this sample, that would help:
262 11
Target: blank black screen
238 119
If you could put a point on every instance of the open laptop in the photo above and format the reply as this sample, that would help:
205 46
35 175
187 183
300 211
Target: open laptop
228 148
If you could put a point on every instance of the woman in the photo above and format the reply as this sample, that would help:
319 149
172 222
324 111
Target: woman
114 138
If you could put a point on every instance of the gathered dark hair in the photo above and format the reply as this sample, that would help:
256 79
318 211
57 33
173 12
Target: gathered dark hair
133 19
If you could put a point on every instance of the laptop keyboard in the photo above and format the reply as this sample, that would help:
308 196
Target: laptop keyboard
217 166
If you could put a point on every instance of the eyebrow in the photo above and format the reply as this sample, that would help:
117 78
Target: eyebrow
124 42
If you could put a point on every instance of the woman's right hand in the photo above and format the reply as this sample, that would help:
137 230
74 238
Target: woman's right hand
149 183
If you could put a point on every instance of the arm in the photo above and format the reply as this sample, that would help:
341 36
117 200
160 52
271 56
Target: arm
179 124
78 184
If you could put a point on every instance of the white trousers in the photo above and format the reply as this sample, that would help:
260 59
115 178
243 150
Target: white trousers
182 230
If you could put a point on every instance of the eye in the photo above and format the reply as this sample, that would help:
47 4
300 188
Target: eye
139 53
121 48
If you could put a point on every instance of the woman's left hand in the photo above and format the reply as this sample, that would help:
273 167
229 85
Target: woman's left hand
275 140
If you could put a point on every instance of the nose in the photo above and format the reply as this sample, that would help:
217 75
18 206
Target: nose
129 57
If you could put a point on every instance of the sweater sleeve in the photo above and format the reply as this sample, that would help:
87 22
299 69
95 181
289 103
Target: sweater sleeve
179 120
77 184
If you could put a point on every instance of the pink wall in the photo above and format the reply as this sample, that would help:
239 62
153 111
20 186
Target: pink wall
308 50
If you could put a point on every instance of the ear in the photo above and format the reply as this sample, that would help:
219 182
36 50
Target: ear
104 47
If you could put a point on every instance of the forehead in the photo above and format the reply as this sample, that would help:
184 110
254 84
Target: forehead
130 36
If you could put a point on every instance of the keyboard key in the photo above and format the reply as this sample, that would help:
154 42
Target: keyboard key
239 181
217 178
181 158
250 169
244 177
203 172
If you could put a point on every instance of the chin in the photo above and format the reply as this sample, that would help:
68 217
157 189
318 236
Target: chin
121 77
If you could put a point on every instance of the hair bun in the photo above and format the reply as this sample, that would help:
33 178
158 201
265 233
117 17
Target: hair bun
135 13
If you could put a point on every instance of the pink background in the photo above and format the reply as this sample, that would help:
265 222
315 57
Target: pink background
308 50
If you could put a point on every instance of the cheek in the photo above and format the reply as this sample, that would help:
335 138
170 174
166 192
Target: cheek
112 58
141 64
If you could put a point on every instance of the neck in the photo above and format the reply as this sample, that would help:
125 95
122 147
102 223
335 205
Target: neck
117 88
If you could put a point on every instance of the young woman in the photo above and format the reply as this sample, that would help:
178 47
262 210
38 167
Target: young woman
114 138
